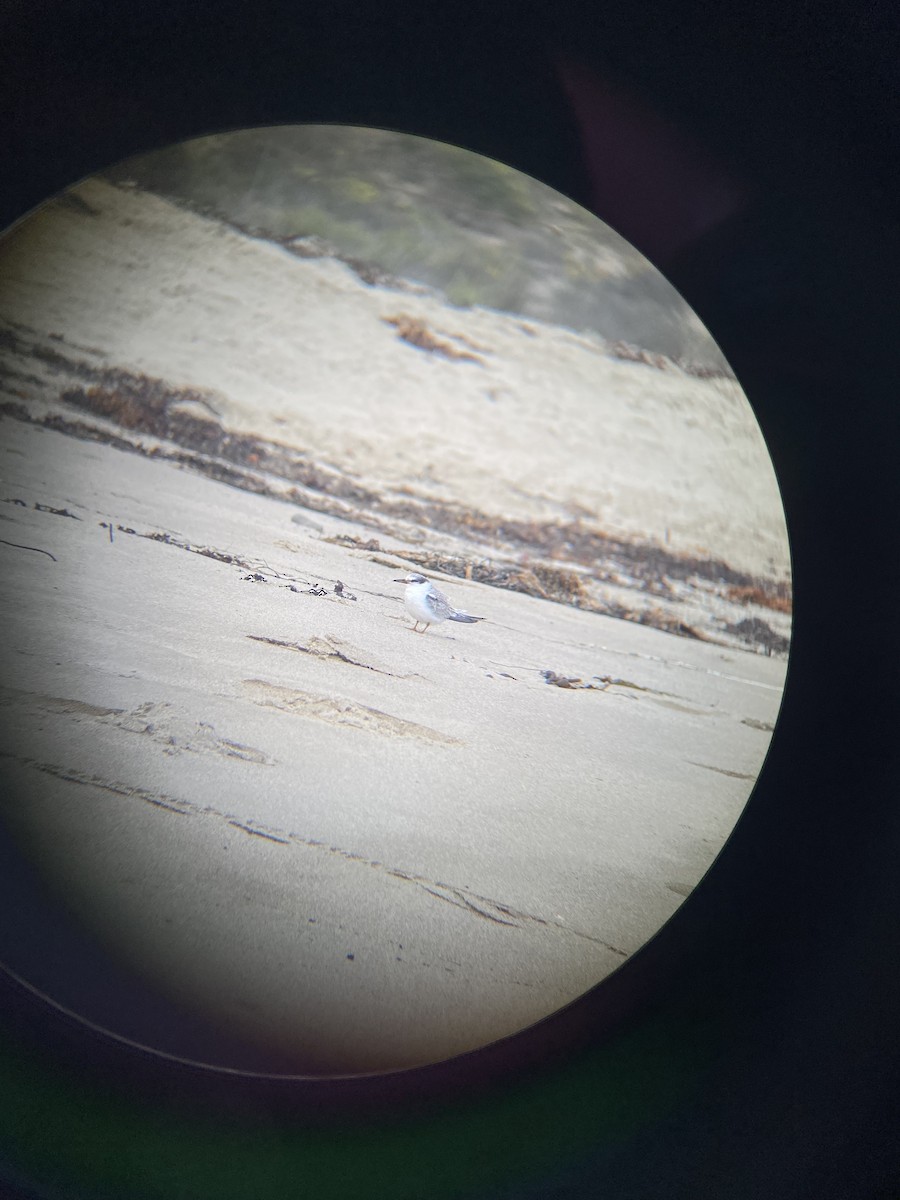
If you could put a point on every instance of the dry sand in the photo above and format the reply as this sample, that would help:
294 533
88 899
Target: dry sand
299 351
355 847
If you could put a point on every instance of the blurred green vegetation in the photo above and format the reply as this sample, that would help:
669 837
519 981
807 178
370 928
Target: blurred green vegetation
472 228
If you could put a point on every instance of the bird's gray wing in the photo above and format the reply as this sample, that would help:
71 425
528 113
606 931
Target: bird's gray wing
439 604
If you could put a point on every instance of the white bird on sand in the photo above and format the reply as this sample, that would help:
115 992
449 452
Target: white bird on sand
426 604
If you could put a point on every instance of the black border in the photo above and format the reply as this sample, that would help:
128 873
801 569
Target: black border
791 942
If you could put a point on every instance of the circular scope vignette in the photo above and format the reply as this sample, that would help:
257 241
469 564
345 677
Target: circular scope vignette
397 599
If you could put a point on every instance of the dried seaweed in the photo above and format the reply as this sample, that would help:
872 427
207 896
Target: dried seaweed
414 331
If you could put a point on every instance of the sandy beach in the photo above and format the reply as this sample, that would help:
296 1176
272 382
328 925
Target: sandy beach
535 422
355 847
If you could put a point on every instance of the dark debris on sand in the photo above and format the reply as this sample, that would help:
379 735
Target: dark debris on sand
414 331
574 553
755 632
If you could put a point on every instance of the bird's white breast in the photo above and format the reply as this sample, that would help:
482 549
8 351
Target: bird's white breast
417 604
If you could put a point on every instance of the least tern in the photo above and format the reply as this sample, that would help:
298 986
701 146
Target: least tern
428 605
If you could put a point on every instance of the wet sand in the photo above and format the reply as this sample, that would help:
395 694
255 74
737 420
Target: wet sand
355 845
